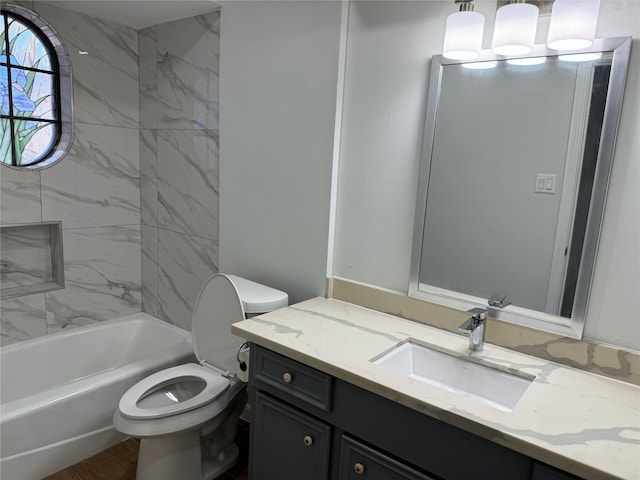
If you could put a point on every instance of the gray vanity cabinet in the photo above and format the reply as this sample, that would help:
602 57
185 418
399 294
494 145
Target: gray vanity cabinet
290 445
308 425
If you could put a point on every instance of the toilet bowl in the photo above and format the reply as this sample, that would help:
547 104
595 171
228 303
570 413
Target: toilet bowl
186 416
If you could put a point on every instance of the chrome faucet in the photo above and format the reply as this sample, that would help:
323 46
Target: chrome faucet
475 328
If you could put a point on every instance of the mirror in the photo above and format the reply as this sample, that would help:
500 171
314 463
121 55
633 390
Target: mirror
516 160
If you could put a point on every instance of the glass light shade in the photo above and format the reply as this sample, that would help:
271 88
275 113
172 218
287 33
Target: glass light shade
527 61
515 29
463 35
573 24
479 65
580 57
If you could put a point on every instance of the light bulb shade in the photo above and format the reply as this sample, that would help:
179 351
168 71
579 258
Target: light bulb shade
515 29
573 24
463 35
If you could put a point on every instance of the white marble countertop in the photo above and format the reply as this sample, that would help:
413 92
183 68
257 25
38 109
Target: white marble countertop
579 422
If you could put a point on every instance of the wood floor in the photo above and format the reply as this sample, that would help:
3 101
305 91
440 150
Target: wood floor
119 462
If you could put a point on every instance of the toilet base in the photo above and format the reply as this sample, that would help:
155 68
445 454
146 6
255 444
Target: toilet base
215 466
180 456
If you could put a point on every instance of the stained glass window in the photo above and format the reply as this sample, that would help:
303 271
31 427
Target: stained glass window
30 99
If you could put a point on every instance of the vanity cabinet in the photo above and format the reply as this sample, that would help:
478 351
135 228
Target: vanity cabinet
309 425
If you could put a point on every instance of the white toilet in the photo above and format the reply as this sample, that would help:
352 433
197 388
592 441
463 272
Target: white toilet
186 416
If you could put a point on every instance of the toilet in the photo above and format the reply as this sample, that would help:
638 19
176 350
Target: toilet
186 416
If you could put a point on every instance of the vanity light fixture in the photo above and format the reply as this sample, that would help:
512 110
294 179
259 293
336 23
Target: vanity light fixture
580 57
515 29
527 61
573 24
479 65
463 33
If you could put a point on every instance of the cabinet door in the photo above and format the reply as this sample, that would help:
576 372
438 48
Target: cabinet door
287 444
359 462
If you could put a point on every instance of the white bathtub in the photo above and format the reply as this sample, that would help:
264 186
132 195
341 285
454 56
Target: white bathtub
58 393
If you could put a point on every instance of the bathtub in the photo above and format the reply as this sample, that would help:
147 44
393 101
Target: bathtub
58 393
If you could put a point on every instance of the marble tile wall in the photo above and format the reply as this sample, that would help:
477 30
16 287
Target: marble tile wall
179 67
94 190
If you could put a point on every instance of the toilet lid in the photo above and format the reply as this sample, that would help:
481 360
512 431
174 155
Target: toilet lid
217 307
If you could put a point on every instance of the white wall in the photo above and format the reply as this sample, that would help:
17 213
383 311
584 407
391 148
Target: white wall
388 52
279 64
389 47
614 308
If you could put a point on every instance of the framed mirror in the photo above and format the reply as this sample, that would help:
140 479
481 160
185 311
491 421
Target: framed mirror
516 159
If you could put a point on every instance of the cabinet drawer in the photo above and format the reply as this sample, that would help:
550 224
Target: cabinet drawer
359 462
286 375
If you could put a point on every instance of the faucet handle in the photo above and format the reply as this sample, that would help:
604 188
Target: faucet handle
478 312
478 317
469 325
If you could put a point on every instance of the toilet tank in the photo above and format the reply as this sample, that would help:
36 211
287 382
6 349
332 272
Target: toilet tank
257 298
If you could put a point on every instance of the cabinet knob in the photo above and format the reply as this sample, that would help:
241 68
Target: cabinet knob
308 441
359 468
287 377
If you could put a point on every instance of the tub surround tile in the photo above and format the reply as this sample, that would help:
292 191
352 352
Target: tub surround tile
98 182
585 424
188 72
148 68
102 277
592 357
19 196
22 318
148 177
150 270
106 79
184 263
179 163
188 182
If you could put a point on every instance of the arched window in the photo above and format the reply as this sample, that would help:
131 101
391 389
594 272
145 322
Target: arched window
35 91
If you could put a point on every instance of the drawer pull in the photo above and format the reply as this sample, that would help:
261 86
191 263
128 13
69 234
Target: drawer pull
359 468
308 441
287 377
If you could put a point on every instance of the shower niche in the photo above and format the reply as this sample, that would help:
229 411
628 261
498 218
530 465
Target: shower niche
31 259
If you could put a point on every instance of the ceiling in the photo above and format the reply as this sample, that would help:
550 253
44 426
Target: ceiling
139 13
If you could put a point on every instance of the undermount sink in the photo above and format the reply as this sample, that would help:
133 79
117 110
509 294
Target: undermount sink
487 384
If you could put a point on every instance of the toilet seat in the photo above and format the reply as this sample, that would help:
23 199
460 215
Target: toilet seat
215 386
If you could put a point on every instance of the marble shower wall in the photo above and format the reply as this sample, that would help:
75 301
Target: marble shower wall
94 190
179 67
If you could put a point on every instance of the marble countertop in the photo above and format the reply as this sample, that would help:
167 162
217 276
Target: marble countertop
579 422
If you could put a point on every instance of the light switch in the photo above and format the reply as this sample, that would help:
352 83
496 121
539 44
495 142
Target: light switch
545 183
549 184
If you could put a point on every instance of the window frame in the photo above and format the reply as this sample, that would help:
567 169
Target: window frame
61 87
